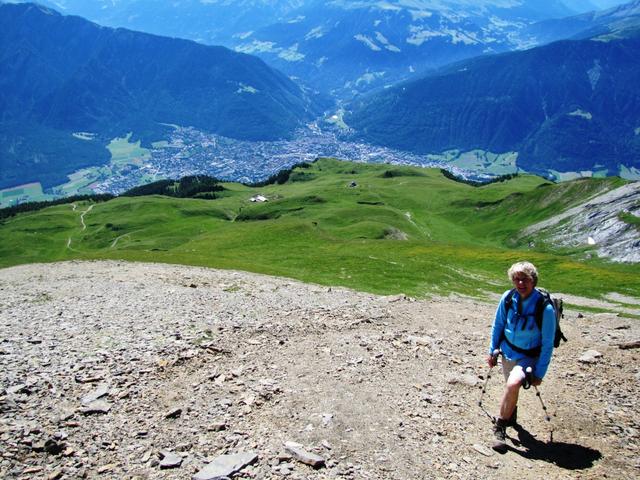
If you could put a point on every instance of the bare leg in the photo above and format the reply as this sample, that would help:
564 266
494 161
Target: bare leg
511 392
507 407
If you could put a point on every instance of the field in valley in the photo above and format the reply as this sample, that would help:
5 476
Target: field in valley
30 192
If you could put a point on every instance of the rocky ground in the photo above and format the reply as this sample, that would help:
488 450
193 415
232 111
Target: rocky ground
118 370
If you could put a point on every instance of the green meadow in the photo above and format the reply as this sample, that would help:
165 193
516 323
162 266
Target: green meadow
378 228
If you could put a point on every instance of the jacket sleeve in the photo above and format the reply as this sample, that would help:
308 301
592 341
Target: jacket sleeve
499 323
548 336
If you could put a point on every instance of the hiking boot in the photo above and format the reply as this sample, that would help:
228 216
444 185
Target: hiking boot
500 436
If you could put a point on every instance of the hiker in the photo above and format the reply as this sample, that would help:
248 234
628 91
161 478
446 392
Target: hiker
520 341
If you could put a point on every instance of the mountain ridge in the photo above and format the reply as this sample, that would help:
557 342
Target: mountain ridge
519 102
112 81
586 25
343 47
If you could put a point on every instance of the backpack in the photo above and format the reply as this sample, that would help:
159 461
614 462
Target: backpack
544 299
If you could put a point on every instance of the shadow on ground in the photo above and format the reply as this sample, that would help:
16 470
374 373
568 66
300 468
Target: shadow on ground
564 455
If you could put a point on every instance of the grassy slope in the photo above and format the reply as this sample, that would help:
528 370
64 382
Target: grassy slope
460 238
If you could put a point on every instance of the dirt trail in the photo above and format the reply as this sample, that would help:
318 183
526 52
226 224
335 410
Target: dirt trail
84 225
207 362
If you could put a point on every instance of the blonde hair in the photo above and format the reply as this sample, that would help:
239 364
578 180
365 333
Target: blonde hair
525 268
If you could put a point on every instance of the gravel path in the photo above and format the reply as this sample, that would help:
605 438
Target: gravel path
123 370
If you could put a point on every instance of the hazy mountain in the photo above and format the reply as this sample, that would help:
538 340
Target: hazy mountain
615 20
217 20
206 21
603 4
350 47
343 46
62 75
567 106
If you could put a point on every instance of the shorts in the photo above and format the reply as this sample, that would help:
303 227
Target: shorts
517 367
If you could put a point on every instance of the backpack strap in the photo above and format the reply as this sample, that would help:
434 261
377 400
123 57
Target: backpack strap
539 310
543 300
508 303
508 300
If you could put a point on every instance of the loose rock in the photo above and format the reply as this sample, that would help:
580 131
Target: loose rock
316 461
173 413
99 392
590 356
467 379
169 459
629 345
97 406
225 466
481 449
255 360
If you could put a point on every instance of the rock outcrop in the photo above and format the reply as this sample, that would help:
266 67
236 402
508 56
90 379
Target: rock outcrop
598 223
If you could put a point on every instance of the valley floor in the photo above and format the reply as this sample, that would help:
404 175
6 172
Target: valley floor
206 362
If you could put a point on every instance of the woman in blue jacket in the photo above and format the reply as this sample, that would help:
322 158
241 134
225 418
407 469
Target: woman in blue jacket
521 342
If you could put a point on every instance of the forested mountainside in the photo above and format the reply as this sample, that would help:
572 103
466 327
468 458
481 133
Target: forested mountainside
344 47
566 106
69 85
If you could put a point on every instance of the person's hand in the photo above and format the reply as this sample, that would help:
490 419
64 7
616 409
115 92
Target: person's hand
492 361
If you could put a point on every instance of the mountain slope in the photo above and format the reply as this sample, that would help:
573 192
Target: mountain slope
608 219
568 106
379 228
352 47
63 75
345 47
210 21
616 21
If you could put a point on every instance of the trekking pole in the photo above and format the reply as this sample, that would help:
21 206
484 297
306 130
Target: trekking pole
528 382
494 355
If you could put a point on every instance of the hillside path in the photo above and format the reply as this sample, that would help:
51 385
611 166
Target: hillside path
84 225
104 365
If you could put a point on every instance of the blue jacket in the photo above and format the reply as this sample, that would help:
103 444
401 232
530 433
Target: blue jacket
522 330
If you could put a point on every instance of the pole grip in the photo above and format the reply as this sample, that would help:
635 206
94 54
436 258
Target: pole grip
528 377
